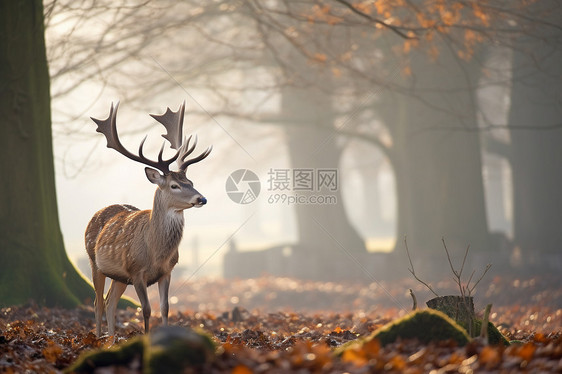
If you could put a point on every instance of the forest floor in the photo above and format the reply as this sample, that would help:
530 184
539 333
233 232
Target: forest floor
281 325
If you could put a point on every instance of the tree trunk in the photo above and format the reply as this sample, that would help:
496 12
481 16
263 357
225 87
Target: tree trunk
328 243
536 158
34 264
437 158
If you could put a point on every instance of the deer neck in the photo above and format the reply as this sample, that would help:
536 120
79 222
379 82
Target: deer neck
165 225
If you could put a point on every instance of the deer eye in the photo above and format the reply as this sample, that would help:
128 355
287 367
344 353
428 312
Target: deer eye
175 187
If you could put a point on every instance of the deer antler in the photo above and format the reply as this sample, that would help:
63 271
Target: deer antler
108 128
186 150
173 122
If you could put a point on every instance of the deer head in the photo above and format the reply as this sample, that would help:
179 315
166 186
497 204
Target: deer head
177 191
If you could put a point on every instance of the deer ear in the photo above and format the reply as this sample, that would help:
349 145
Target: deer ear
154 176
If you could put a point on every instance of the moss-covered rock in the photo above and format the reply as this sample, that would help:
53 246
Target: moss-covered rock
172 349
425 325
119 355
169 349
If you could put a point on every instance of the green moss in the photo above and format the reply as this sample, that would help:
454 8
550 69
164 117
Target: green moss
425 325
118 355
172 349
169 349
495 337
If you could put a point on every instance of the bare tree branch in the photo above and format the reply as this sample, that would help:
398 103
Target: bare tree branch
412 271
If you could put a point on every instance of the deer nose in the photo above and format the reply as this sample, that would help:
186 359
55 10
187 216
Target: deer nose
201 200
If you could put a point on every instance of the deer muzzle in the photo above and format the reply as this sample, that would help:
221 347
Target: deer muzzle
200 202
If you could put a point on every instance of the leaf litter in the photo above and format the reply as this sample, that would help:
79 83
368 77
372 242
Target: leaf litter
281 325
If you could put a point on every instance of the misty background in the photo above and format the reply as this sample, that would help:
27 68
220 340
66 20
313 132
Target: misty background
441 123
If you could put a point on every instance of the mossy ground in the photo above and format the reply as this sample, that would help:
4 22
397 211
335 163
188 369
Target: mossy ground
169 349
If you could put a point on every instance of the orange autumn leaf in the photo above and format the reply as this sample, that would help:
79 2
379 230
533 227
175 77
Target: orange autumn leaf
241 369
354 356
398 363
407 46
480 14
425 22
364 7
527 351
490 356
381 6
336 72
372 347
539 337
321 57
338 330
52 351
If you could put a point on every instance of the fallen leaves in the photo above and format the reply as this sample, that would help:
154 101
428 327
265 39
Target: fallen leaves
490 356
269 338
52 352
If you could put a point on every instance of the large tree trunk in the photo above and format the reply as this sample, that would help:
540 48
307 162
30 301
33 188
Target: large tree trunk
536 157
34 264
437 158
328 243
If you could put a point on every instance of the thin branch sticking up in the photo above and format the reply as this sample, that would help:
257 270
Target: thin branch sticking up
415 301
488 266
466 291
412 271
456 273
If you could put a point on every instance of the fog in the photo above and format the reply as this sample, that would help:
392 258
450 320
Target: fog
359 137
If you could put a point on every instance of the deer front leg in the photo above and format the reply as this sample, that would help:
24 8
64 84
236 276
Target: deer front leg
163 287
115 292
99 285
140 287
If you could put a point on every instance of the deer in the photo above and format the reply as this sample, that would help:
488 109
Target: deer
140 247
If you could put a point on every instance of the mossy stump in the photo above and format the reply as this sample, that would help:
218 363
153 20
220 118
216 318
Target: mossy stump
459 308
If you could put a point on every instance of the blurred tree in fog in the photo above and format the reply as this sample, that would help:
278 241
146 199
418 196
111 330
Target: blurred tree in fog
437 154
535 121
432 109
403 76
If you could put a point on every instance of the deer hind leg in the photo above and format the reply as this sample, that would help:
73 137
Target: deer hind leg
163 287
99 285
115 292
140 287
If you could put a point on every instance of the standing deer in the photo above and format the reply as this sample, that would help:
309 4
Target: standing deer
140 247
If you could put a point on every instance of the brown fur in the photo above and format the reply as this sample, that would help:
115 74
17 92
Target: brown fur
139 247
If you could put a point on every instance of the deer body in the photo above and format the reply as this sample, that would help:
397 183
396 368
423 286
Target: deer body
120 246
140 247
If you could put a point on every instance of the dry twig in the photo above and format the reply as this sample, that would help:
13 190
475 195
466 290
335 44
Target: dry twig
415 301
466 291
412 271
